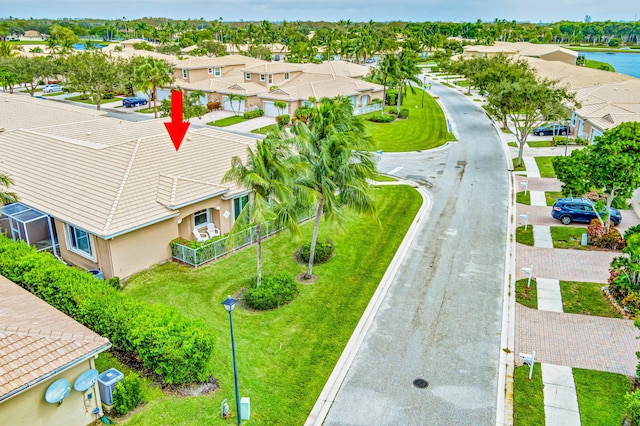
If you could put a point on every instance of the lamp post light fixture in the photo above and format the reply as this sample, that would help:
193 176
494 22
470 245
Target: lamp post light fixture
229 304
566 143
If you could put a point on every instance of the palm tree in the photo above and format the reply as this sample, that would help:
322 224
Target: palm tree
6 197
267 173
339 161
405 72
153 73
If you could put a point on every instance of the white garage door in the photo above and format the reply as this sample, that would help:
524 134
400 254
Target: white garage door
270 109
227 105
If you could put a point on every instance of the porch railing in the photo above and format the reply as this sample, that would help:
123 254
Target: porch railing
220 246
367 109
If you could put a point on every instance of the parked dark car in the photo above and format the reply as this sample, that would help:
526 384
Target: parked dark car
132 102
549 130
568 210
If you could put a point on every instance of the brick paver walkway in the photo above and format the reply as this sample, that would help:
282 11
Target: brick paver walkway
578 341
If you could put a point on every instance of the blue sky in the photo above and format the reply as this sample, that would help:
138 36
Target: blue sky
328 10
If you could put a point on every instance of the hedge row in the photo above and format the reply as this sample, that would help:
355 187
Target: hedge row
167 343
253 114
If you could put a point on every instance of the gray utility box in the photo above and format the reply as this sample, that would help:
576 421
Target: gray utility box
107 382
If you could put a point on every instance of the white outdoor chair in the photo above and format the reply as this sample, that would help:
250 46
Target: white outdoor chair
212 230
201 238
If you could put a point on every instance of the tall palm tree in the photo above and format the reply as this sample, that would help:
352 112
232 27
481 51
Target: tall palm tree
339 160
405 72
267 173
6 197
153 73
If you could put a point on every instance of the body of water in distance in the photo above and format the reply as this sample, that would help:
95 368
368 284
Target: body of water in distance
625 63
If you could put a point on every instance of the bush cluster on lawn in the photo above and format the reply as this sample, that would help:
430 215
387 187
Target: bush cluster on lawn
274 291
324 251
381 118
128 394
253 114
303 113
176 348
600 238
283 119
404 114
624 273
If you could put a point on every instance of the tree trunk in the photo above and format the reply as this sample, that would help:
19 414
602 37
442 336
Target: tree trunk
259 244
399 99
155 101
520 152
314 239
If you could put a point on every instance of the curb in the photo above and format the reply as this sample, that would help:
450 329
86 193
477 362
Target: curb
323 404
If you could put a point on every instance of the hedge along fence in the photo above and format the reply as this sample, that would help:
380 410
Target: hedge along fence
171 345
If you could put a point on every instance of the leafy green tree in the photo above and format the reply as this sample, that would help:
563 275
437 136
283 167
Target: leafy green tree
94 73
7 49
404 72
8 79
62 38
281 106
150 75
236 100
526 102
33 70
611 164
259 52
212 48
338 155
267 173
6 197
191 106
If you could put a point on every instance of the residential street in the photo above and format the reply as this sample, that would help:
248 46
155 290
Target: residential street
441 318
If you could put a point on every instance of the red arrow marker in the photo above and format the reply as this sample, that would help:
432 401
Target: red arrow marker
176 128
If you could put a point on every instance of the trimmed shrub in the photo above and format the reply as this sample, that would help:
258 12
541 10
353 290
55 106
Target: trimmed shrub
174 347
274 291
128 394
253 114
381 118
392 97
283 119
632 404
303 113
600 238
324 251
404 113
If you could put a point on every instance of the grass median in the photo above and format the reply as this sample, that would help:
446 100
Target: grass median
288 351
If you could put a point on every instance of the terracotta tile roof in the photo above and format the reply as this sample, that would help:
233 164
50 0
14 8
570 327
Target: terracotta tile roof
217 61
36 339
16 112
111 177
320 86
340 68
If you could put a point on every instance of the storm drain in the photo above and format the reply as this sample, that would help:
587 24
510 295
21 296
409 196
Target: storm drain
420 383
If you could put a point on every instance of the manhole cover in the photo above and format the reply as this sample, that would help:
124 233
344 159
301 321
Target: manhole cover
420 383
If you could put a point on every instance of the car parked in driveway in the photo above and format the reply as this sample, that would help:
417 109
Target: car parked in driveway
549 130
568 210
52 88
133 102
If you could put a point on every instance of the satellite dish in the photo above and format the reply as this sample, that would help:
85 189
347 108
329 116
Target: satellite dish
57 391
86 380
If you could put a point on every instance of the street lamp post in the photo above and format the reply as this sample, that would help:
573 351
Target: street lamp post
229 304
566 143
424 83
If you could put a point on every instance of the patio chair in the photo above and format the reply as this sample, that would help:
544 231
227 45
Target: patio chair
212 230
201 238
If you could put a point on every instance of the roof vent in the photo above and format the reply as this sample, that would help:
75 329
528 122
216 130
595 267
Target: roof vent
88 132
1 129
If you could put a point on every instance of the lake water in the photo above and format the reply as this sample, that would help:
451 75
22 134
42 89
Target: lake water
625 63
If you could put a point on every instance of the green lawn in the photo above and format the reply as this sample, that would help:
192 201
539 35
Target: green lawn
539 144
528 397
551 197
545 167
586 299
227 121
264 130
522 167
598 65
512 144
568 237
284 356
524 236
89 101
523 198
424 129
601 396
384 178
527 296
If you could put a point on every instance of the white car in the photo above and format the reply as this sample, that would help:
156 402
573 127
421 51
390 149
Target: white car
51 88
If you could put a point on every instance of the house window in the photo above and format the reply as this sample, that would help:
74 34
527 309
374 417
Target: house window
247 76
261 77
287 76
184 73
200 218
307 104
270 78
239 204
209 70
79 241
217 72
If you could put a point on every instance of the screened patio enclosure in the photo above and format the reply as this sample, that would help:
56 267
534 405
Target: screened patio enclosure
24 223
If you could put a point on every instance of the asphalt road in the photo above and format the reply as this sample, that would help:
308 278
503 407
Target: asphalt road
441 318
